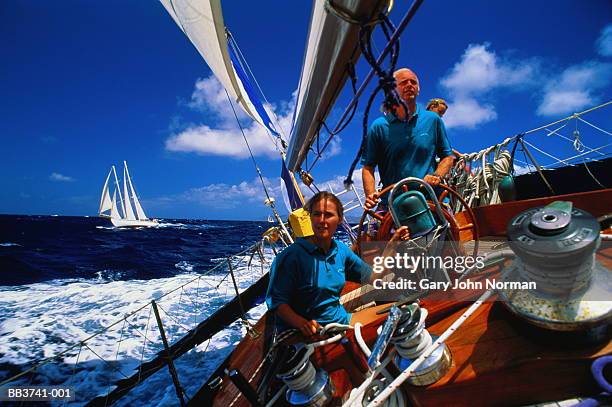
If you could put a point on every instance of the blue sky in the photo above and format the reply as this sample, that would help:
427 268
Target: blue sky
87 84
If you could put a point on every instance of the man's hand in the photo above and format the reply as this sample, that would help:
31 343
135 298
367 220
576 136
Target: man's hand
402 233
309 328
433 180
371 201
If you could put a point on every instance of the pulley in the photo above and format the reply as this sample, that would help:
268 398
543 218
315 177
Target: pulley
411 339
555 247
306 385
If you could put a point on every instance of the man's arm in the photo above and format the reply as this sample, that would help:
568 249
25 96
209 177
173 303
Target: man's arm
444 167
369 187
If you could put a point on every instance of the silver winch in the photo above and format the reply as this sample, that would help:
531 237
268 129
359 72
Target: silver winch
306 385
411 339
555 247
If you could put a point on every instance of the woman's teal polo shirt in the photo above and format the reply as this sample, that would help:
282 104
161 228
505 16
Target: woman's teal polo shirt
310 281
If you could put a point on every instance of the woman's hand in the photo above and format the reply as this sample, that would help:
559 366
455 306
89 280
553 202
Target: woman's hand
309 328
401 234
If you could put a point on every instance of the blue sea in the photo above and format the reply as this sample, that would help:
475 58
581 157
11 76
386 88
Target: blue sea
64 279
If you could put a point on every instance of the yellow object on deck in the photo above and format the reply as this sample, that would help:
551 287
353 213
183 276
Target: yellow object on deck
272 234
300 223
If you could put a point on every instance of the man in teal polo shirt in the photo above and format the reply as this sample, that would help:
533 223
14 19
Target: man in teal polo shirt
405 144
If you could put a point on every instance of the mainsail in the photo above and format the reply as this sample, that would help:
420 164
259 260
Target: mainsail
332 45
127 205
202 22
114 214
140 215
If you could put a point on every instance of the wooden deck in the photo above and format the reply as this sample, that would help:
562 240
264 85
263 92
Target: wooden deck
496 358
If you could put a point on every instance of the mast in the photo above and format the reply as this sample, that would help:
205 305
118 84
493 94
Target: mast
127 205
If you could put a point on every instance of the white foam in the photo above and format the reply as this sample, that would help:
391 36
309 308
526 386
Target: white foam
9 244
41 320
184 265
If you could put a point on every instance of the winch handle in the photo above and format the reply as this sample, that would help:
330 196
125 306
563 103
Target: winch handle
385 335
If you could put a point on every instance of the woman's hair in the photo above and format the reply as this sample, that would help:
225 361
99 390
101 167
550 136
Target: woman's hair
436 102
319 196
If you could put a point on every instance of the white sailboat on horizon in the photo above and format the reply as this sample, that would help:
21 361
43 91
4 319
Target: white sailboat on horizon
129 212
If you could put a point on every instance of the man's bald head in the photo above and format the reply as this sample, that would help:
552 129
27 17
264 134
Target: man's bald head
406 85
403 70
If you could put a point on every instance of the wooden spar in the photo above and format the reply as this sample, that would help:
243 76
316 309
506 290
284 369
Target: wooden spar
224 316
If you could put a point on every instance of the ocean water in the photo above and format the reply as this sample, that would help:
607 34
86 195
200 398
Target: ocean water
79 288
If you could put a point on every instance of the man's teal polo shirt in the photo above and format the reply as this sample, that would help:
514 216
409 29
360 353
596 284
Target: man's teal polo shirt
310 281
406 149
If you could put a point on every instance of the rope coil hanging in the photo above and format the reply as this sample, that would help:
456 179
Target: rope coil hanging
386 83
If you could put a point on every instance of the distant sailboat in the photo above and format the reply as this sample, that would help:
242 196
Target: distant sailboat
129 213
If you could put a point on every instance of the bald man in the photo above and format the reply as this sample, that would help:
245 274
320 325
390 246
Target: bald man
405 144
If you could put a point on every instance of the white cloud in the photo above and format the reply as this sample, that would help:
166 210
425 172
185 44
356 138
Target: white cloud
224 137
468 113
479 72
60 178
210 97
604 42
224 196
231 196
575 88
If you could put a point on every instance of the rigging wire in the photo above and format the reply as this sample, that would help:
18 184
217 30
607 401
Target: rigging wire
386 83
388 47
263 184
575 115
269 200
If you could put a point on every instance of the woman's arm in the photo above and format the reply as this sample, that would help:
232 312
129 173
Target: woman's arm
306 327
401 234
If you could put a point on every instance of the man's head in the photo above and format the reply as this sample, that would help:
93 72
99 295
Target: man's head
406 85
438 106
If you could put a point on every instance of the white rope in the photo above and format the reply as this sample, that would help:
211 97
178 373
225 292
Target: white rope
356 395
481 186
559 160
595 127
574 116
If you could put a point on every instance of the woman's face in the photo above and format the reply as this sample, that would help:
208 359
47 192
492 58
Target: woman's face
324 218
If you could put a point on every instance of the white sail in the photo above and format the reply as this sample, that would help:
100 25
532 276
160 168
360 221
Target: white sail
118 190
114 214
120 206
202 22
332 45
105 201
140 215
127 205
